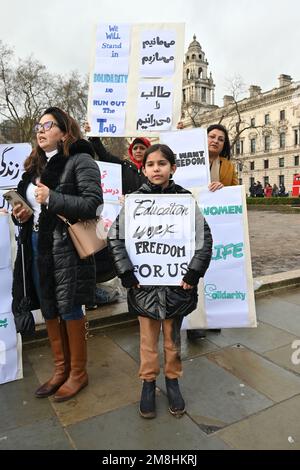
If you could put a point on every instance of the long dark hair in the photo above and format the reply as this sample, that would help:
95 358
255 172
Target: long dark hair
164 149
36 160
226 153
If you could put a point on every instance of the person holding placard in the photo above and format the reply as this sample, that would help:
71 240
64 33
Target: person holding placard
222 170
61 178
222 173
161 307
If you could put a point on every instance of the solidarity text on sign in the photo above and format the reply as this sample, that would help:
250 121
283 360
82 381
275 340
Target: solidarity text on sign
228 284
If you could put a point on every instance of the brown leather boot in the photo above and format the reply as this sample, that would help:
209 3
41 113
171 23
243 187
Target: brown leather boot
60 350
78 377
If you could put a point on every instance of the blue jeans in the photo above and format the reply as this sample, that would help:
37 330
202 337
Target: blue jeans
76 313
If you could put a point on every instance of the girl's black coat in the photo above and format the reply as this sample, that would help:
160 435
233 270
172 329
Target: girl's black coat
75 192
160 302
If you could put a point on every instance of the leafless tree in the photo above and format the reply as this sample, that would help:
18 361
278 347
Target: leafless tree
191 111
116 145
27 89
71 94
236 123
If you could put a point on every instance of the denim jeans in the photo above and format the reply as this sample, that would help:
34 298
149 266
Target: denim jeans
76 312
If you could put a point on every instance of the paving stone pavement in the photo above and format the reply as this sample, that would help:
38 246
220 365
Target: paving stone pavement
242 391
274 242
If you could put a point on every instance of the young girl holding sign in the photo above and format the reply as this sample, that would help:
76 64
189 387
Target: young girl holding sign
161 307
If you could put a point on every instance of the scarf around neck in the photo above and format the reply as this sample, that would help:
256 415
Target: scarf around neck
135 162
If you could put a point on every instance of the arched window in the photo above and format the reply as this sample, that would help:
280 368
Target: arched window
200 72
187 57
193 57
200 57
188 74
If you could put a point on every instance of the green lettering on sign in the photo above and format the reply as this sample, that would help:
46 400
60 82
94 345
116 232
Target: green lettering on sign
220 210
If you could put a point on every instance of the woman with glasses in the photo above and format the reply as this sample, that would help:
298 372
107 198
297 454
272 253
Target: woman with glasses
60 177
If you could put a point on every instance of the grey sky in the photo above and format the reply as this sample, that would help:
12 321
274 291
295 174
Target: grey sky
257 39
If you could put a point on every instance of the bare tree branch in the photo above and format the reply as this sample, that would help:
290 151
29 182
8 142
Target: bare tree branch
27 89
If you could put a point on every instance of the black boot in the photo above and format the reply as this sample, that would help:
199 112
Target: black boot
195 334
176 402
147 403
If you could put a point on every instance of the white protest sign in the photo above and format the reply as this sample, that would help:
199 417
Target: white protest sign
8 330
10 350
110 212
124 58
228 283
192 161
155 106
157 53
5 252
108 101
3 203
160 236
112 42
111 181
10 342
12 157
108 80
5 265
5 286
108 124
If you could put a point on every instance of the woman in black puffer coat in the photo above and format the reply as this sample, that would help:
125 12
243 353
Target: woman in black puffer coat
60 177
161 306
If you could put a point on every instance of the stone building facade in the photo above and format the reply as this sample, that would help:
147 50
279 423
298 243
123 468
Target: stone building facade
264 127
198 87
